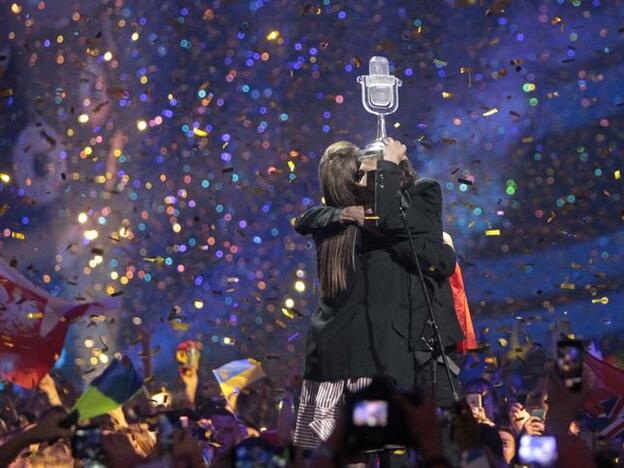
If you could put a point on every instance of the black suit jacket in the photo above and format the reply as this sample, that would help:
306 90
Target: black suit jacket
376 324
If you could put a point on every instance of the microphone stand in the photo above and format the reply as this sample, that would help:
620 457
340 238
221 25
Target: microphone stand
433 321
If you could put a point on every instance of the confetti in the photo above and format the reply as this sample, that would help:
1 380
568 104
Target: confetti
166 166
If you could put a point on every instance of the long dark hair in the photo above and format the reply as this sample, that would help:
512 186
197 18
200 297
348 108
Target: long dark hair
336 254
408 173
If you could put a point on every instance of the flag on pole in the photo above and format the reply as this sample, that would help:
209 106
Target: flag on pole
33 325
112 388
236 375
462 311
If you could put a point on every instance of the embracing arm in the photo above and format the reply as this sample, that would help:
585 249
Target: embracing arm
323 219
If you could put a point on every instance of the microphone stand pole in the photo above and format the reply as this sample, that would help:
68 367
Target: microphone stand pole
433 321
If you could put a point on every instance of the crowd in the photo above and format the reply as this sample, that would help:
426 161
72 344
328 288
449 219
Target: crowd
504 418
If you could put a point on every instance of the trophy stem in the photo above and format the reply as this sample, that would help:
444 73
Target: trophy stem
381 126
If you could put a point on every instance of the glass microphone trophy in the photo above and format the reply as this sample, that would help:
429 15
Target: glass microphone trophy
380 96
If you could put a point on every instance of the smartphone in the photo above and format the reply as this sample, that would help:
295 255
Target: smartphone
258 452
86 446
475 401
569 363
540 450
539 413
373 421
370 413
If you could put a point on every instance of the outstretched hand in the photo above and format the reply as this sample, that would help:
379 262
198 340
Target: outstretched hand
49 427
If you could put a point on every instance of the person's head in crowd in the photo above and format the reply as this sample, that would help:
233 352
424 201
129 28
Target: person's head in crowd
487 397
509 443
227 429
56 455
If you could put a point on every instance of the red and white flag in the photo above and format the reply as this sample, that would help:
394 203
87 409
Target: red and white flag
604 381
33 325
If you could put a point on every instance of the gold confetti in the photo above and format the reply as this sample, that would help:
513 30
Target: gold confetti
602 300
492 232
569 286
179 326
200 132
288 313
18 235
556 20
447 95
272 35
502 342
617 174
490 112
5 178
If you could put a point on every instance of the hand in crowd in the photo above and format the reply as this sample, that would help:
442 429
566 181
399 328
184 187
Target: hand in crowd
422 423
49 428
563 404
47 385
534 426
119 450
190 378
478 412
466 427
518 416
186 450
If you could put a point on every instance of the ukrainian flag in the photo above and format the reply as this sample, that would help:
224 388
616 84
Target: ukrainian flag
236 375
118 383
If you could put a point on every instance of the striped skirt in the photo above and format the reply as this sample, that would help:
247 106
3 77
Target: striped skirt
319 405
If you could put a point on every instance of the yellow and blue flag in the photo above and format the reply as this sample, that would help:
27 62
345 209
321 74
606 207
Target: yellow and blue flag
236 375
118 383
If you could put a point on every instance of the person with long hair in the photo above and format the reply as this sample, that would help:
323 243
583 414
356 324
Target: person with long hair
371 318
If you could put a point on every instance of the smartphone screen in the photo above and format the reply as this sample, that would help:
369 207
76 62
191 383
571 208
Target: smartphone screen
261 454
569 363
86 446
370 413
474 400
537 413
541 450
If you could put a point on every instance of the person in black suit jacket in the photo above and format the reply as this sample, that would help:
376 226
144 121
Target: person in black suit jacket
371 318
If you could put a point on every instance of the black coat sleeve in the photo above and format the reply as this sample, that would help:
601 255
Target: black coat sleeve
424 219
318 220
436 259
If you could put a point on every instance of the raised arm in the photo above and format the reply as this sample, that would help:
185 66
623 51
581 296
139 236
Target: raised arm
424 219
